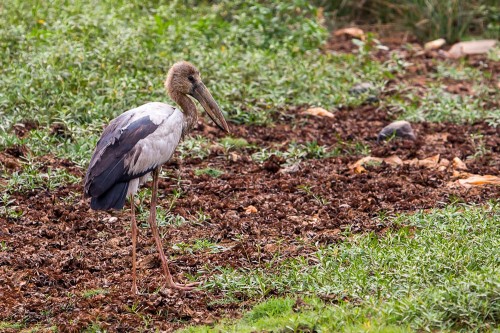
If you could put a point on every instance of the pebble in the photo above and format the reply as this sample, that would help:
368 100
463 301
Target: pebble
361 88
400 128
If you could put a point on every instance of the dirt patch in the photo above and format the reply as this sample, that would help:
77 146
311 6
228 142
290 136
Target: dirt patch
59 252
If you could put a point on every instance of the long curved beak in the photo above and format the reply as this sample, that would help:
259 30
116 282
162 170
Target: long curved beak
201 93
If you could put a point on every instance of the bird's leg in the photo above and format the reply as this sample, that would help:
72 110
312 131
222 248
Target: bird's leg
159 247
134 245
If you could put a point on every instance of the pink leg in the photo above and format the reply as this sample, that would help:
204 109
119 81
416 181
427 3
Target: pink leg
134 245
156 235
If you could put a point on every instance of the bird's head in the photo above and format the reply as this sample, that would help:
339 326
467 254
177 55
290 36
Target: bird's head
184 79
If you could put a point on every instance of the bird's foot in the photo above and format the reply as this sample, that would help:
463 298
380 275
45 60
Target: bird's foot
185 287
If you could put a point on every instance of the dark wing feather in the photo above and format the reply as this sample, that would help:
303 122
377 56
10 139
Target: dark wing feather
107 166
114 198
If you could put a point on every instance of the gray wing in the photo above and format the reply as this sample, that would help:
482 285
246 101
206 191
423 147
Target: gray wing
132 145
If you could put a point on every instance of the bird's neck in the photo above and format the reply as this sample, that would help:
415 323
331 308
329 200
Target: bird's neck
189 110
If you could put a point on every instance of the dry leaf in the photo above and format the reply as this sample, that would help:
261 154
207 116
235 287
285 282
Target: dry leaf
393 160
444 162
251 210
320 112
478 180
435 44
461 174
471 47
458 164
430 162
359 169
353 32
436 138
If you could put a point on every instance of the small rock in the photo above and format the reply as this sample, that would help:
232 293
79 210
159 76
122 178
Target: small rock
435 44
111 219
372 99
401 129
471 47
361 88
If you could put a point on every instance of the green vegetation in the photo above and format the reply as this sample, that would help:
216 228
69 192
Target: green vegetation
439 271
427 19
437 106
93 292
215 173
33 177
199 245
84 63
312 150
9 325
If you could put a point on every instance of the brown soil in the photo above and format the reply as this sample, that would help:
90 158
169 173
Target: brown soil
59 248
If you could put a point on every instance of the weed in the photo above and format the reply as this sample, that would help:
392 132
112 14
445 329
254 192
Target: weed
320 200
3 246
201 217
93 292
480 149
94 327
32 177
438 106
194 147
198 246
9 325
215 173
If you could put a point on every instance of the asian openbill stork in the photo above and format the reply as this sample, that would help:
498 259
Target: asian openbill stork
138 142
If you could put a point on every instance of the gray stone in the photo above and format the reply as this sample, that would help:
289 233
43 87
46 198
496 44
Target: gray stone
400 128
361 88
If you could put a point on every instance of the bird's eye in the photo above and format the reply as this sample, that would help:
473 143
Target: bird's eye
191 78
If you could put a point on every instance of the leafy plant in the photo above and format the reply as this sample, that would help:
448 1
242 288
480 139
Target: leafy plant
215 173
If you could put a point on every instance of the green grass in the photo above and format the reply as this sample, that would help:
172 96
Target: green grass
84 63
215 173
93 292
36 176
199 245
438 271
296 152
10 325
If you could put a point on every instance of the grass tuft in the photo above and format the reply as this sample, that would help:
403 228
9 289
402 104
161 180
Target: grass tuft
438 271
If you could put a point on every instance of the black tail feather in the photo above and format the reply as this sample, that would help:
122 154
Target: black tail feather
114 198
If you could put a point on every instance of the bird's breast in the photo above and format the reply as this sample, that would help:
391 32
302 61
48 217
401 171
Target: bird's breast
158 147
